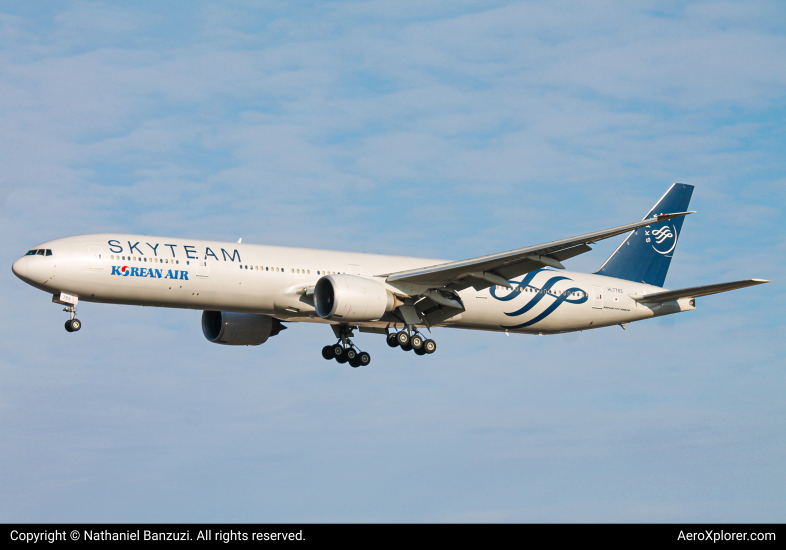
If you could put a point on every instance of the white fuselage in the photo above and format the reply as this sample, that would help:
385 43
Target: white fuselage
233 277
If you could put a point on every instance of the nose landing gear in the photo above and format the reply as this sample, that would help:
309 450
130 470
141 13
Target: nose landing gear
73 324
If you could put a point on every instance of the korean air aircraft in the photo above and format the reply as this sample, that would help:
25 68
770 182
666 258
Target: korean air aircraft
248 291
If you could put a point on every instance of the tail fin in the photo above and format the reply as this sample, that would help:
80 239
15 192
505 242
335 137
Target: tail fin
646 253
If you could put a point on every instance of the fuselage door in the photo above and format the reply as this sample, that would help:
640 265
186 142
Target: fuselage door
203 269
96 261
353 269
597 297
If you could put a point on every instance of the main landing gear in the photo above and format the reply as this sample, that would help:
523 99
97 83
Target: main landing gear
344 351
411 340
73 324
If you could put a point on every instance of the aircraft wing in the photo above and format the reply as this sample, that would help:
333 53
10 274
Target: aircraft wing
694 292
496 269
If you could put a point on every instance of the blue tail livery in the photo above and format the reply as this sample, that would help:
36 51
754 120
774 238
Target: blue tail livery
646 253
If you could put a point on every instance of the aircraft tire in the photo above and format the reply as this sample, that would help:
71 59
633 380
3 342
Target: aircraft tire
430 346
407 347
403 338
338 351
364 358
327 353
416 342
342 359
68 326
420 351
354 362
392 340
76 324
351 353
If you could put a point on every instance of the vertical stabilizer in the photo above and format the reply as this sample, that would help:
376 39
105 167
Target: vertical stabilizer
645 254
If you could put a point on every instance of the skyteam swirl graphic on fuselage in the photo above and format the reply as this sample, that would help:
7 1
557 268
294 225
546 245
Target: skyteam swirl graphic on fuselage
540 294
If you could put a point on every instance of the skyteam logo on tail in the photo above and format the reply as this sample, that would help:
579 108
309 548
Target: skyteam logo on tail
663 238
545 294
126 271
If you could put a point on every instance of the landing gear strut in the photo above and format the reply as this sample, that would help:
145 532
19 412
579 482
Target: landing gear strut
344 351
410 339
73 324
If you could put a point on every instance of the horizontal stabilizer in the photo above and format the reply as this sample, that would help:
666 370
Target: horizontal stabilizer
694 292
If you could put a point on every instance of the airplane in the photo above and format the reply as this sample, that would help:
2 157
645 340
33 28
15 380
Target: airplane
247 292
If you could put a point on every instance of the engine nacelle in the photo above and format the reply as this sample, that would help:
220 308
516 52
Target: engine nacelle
239 329
349 298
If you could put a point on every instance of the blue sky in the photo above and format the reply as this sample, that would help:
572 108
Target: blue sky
450 129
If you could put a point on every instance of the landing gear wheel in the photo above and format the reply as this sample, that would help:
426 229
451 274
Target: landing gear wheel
338 352
393 340
342 359
416 342
403 338
406 347
364 358
430 346
68 326
76 324
327 353
420 351
354 362
351 353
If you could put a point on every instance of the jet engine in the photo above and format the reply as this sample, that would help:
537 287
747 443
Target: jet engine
349 298
239 329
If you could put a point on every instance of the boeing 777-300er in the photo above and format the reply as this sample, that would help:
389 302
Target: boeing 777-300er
247 291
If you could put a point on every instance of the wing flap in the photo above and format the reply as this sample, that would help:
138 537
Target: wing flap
695 292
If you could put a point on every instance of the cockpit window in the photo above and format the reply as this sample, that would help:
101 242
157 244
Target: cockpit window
31 253
48 252
41 252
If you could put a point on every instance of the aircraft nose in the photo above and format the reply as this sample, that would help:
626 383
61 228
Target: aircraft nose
20 268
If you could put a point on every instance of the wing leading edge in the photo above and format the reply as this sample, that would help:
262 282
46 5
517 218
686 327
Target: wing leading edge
497 269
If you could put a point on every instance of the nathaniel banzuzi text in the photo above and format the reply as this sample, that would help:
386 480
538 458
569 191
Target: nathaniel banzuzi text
137 535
